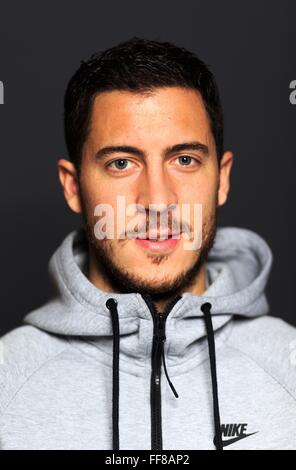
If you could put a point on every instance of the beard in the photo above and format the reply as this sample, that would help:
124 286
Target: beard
124 281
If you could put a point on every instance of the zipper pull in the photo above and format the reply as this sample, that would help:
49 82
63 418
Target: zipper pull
160 336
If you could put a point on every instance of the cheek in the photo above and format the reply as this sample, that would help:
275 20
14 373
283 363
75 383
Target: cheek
200 192
95 191
201 197
111 211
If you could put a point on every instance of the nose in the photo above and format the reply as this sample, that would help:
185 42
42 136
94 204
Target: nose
156 189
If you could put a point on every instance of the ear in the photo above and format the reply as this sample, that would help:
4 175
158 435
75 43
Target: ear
69 181
224 177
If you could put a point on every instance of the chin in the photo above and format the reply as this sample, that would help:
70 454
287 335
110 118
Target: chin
159 282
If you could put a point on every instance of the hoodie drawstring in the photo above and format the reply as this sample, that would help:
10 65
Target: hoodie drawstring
111 304
206 309
167 375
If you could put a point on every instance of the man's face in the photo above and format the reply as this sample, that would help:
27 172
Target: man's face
152 173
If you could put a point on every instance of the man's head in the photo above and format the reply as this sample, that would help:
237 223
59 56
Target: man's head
143 120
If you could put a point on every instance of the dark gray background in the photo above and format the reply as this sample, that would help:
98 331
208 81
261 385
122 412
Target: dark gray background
251 49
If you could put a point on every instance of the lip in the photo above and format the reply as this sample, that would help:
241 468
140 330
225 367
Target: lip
166 245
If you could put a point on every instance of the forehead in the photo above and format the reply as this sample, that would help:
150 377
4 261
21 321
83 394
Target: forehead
159 116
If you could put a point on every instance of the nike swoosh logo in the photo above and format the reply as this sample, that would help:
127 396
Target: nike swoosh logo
234 439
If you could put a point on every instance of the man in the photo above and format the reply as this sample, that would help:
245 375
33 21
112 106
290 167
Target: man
156 337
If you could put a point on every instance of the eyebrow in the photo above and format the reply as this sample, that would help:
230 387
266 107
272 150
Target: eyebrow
186 146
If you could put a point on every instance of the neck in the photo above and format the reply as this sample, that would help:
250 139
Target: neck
198 287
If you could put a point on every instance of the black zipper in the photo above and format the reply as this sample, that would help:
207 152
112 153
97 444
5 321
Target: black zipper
159 319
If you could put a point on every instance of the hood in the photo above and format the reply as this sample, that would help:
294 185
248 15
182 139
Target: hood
237 270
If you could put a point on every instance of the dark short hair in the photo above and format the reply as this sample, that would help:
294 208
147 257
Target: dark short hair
136 65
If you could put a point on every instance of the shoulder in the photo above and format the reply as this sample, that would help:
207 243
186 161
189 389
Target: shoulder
271 343
22 351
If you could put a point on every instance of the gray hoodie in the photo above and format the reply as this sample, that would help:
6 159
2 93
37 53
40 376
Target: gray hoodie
97 370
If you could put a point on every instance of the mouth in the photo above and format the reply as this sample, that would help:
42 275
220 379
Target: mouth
158 241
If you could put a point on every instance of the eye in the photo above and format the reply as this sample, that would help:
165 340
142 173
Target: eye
186 160
119 164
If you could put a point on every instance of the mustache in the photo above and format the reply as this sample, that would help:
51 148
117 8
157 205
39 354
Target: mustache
175 227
